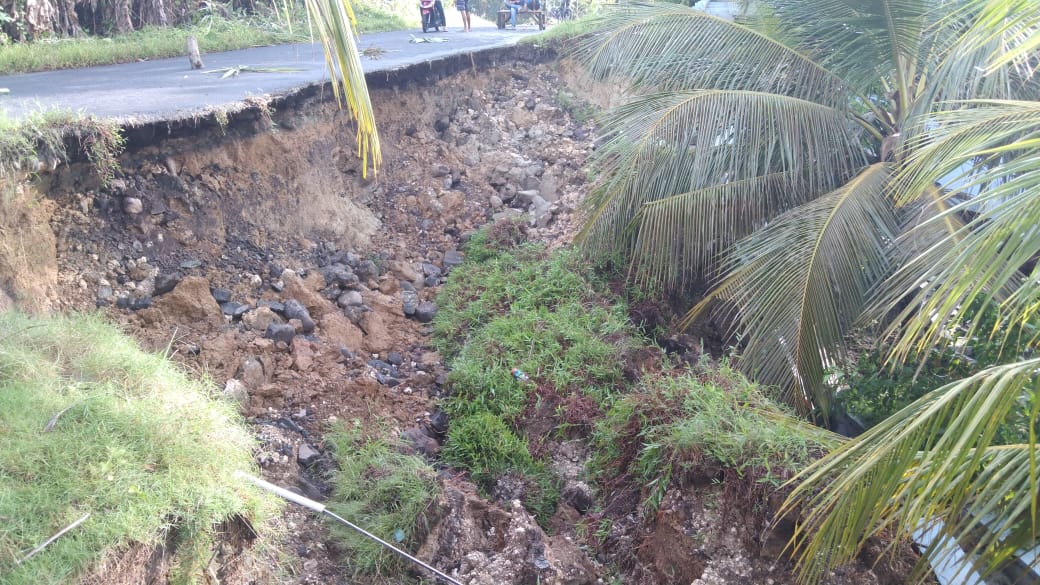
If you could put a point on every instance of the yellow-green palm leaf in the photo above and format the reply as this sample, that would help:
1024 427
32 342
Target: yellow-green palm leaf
334 22
933 461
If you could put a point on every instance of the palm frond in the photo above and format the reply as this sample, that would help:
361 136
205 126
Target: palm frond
797 285
932 464
1012 29
860 40
679 142
981 49
334 22
680 239
991 152
668 47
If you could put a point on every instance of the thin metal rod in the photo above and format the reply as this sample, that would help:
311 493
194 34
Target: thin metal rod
320 508
52 539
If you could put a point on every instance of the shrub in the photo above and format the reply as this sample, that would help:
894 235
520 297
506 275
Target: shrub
871 391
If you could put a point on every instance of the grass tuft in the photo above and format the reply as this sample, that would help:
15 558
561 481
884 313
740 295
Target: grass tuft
524 308
142 447
708 420
488 448
383 491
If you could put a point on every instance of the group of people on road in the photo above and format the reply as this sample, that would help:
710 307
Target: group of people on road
514 6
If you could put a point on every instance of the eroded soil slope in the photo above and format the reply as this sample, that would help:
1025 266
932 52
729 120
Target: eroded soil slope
258 253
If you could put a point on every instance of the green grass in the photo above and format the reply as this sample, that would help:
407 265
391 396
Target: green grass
488 448
516 305
213 32
383 491
143 448
399 16
42 138
528 309
708 419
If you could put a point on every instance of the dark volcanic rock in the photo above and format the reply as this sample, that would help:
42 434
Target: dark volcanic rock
339 275
141 303
439 422
235 310
579 495
164 283
221 295
452 258
280 332
420 440
307 454
367 270
276 306
294 309
426 311
410 302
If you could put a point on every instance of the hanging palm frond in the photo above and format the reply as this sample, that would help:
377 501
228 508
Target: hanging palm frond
335 24
932 464
685 141
800 281
680 239
667 47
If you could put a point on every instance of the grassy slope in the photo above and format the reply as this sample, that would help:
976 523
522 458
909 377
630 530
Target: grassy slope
138 445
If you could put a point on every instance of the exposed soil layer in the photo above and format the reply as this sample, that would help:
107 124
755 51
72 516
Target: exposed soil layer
258 253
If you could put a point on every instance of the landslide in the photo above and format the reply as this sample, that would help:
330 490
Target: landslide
254 250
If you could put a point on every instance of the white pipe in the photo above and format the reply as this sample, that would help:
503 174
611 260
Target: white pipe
312 505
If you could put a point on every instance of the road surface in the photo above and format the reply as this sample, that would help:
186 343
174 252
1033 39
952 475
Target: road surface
168 89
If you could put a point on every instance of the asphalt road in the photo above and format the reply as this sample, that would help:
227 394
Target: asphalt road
168 89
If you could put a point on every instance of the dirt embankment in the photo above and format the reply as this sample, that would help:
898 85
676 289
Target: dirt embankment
258 253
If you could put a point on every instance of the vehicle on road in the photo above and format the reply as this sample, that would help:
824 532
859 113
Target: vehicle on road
432 14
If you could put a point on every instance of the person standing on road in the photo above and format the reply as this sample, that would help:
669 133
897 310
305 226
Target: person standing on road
463 6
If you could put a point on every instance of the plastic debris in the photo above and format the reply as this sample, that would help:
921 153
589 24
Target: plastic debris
519 375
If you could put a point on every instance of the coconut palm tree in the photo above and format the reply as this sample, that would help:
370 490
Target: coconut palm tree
772 161
834 162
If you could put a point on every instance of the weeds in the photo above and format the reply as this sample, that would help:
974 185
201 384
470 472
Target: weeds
90 424
514 305
384 491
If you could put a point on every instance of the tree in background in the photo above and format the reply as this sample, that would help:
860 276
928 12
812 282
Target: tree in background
840 162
